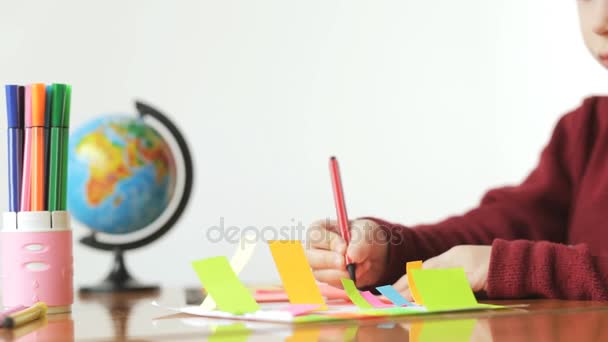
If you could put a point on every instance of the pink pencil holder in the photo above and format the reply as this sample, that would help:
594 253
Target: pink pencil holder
37 263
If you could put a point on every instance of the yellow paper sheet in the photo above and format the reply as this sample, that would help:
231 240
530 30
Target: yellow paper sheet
413 265
241 257
295 272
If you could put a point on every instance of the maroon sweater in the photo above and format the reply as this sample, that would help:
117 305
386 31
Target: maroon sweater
549 235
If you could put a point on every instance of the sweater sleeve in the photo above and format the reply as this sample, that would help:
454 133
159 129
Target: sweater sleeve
549 270
537 209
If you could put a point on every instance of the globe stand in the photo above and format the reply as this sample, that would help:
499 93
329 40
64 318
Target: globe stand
119 279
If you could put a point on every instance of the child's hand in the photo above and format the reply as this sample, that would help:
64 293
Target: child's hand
326 250
474 259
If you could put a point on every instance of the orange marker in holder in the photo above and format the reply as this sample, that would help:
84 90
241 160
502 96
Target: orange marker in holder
38 185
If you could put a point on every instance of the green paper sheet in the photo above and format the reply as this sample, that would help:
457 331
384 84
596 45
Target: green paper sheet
222 284
449 330
354 294
444 289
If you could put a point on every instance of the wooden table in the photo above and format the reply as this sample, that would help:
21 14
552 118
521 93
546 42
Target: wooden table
131 317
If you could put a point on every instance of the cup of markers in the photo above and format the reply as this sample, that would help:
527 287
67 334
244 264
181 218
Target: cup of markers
36 236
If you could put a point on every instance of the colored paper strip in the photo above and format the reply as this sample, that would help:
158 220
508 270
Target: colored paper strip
374 301
444 289
413 265
224 286
265 297
393 295
301 309
295 272
241 257
354 294
327 291
331 292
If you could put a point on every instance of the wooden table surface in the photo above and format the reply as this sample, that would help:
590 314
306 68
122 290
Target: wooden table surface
131 317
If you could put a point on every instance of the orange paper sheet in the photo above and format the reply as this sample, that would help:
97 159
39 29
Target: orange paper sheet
295 272
413 265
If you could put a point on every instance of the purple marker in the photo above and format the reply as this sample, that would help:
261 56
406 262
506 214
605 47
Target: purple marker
15 146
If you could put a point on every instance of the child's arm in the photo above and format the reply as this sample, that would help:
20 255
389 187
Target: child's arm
543 269
538 209
523 269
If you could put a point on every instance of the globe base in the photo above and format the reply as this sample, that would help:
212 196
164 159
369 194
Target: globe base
131 286
119 279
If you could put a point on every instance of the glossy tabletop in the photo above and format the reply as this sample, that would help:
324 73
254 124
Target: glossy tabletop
122 317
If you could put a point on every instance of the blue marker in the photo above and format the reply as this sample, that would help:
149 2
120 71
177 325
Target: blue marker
15 146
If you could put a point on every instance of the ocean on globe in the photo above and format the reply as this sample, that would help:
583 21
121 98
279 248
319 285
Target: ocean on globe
121 174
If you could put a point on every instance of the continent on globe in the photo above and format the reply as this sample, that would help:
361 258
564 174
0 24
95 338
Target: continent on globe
106 165
122 174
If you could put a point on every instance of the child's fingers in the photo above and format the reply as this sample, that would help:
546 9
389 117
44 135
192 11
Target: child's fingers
331 277
362 241
359 251
322 236
322 259
329 225
446 259
403 287
434 262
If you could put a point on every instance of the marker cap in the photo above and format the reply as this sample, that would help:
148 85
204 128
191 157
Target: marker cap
38 104
12 106
65 119
57 104
27 106
47 107
21 105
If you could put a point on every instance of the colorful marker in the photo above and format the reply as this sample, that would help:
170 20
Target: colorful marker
26 176
65 134
38 167
47 136
15 147
334 169
56 148
4 314
27 315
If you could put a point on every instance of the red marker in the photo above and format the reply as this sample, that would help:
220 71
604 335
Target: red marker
334 169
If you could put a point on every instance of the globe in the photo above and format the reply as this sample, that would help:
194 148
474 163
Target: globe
123 185
121 174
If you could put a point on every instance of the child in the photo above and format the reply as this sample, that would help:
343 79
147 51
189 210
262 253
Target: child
547 237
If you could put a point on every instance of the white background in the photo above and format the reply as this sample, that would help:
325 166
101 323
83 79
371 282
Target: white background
427 104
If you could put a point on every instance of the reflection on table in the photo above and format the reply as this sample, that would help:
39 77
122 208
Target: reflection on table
132 317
